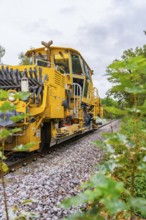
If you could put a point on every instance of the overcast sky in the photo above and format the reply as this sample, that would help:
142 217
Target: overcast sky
100 29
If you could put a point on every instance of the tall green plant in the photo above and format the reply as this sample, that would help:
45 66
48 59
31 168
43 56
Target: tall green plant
123 97
109 102
4 133
111 193
24 60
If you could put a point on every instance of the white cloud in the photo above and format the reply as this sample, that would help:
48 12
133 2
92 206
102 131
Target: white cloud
100 30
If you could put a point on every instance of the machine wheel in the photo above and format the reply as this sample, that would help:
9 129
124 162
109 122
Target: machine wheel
45 136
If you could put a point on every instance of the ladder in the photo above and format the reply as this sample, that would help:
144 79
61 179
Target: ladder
77 99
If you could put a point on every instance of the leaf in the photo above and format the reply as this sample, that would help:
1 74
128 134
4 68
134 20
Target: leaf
7 106
102 188
27 201
22 95
3 95
5 168
25 147
140 204
30 201
136 90
114 206
2 156
15 130
134 110
18 117
115 111
110 165
4 133
117 65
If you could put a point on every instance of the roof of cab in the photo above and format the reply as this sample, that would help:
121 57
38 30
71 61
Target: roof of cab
29 52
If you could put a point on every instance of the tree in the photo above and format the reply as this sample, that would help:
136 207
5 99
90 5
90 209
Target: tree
2 52
124 98
5 132
108 101
24 60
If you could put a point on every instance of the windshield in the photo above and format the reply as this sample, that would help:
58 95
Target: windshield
62 65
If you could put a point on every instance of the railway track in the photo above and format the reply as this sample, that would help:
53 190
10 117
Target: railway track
52 178
18 160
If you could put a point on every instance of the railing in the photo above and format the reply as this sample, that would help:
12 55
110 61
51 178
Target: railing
77 96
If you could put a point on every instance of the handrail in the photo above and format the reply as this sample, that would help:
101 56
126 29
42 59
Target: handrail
77 95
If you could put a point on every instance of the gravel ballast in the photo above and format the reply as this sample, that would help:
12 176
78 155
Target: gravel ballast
52 178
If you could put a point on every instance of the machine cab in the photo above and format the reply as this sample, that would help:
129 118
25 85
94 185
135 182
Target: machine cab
72 64
68 62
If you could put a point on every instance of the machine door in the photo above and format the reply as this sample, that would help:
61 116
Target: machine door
86 88
78 71
87 79
81 74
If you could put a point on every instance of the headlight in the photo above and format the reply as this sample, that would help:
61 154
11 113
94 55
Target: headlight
11 97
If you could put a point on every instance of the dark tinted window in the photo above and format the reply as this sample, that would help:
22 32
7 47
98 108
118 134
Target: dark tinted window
87 71
76 65
62 65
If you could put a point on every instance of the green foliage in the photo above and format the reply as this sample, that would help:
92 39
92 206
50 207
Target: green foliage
139 206
7 106
140 191
18 117
22 95
109 103
115 111
3 94
24 60
5 167
128 73
114 191
5 132
139 51
23 147
101 194
140 185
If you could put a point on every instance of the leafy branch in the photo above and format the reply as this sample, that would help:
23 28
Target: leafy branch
112 192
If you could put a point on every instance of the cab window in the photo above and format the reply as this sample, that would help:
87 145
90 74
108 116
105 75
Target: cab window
76 65
61 63
87 71
41 60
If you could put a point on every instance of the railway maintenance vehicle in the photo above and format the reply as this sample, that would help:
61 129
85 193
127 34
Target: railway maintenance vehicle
62 100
